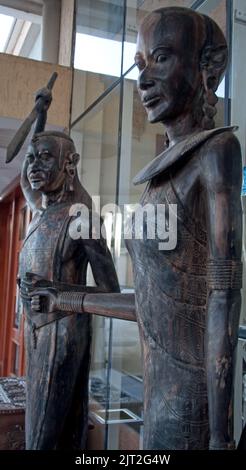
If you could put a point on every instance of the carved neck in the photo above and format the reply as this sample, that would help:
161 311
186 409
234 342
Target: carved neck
188 123
56 197
180 128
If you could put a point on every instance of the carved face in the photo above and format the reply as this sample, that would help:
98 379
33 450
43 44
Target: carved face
44 171
168 60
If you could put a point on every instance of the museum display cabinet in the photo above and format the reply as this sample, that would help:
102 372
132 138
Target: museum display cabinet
114 139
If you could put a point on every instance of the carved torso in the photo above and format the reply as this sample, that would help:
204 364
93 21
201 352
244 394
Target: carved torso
171 301
48 245
57 365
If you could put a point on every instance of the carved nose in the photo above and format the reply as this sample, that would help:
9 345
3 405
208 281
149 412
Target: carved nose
145 82
35 164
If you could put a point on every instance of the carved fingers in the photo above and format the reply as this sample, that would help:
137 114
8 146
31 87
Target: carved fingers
43 99
44 300
39 292
35 303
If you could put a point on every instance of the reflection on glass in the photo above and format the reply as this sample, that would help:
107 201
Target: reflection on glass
21 34
140 143
216 9
96 140
126 388
15 358
104 55
87 87
98 45
23 223
238 110
98 50
98 383
117 416
6 25
99 31
18 310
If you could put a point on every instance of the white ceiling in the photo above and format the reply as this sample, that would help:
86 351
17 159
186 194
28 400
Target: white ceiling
30 6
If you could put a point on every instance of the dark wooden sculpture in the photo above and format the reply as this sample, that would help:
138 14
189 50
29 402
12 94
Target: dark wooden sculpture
58 346
189 316
187 299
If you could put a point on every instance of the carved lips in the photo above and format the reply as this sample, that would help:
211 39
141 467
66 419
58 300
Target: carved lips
36 176
150 101
37 179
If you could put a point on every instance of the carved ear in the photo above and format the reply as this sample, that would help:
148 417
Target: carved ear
73 158
70 168
213 63
71 163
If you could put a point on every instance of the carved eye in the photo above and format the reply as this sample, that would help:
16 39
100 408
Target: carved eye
161 58
140 64
218 58
29 158
45 157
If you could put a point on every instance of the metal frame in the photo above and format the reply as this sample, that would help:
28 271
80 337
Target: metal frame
133 418
110 347
197 4
240 385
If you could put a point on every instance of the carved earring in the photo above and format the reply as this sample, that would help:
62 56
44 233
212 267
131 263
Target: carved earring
209 101
70 170
209 109
71 174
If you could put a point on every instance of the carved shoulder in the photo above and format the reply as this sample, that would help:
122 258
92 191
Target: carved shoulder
221 163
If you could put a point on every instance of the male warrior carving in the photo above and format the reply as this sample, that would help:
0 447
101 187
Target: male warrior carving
58 345
188 299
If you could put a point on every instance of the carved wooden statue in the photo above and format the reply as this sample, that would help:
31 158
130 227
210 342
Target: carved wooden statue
187 299
57 346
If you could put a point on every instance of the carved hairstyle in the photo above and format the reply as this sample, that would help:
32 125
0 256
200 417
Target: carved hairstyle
210 46
67 146
213 61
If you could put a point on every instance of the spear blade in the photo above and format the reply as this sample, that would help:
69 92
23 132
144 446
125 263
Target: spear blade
23 131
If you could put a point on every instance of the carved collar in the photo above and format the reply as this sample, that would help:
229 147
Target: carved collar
171 155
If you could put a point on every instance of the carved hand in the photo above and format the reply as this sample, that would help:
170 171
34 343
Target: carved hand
44 300
30 282
40 292
43 99
219 443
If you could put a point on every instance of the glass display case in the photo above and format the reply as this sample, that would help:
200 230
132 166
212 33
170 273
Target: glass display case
115 141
